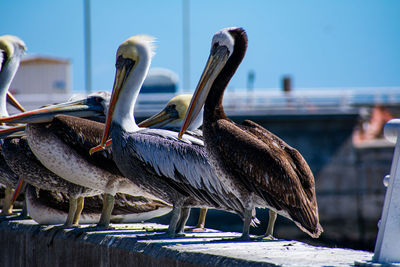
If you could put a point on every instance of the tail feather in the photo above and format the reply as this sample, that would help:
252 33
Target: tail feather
307 220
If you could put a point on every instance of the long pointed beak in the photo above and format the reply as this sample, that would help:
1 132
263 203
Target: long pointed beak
120 77
80 108
160 119
11 131
215 63
14 102
100 148
20 187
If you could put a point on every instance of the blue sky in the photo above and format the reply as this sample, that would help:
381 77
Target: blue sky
341 43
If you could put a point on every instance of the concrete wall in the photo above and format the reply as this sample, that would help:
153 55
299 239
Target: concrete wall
351 193
24 243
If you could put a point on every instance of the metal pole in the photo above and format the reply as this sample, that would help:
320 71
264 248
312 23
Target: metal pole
88 56
186 44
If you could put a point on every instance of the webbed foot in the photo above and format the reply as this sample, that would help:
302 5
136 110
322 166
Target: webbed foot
102 228
267 238
59 227
197 229
243 238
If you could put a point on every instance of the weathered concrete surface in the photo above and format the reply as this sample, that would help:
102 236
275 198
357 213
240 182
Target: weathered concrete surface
24 243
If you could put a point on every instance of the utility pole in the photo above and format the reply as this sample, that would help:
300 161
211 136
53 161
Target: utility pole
88 56
186 44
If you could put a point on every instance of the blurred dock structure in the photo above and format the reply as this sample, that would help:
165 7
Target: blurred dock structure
260 101
301 101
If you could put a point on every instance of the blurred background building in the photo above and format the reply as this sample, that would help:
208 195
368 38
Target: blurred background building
41 80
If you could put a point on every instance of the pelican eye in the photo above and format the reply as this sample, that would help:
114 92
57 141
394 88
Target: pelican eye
215 47
170 108
122 61
4 57
172 111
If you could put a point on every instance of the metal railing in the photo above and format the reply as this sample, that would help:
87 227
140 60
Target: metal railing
305 100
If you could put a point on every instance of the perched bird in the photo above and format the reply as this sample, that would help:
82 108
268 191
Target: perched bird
62 147
92 107
172 115
11 50
171 118
74 135
175 171
50 207
19 157
259 167
21 160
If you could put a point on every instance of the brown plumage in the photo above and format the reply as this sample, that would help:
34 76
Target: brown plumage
82 134
272 169
124 204
260 167
68 140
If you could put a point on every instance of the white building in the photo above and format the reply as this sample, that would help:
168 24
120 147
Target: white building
41 80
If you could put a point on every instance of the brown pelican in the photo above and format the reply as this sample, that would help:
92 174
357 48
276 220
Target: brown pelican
176 171
93 106
259 167
77 134
11 50
172 115
65 132
21 160
18 155
50 207
74 137
26 165
171 118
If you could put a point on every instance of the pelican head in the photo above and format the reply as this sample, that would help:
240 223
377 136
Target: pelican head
132 64
173 114
94 105
12 49
222 48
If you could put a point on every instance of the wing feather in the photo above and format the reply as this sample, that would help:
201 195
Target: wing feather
81 135
167 155
295 159
183 164
269 167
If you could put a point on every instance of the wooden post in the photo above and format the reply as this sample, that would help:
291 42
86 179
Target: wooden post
287 84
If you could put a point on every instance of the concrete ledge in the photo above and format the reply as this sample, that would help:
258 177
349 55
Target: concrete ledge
24 243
